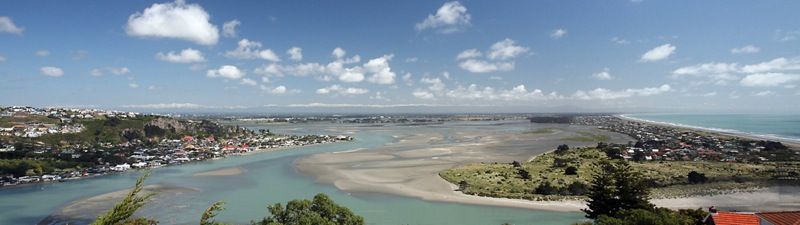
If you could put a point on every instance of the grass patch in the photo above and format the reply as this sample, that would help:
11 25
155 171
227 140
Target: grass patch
586 136
540 131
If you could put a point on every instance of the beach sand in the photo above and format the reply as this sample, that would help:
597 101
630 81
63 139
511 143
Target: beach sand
410 166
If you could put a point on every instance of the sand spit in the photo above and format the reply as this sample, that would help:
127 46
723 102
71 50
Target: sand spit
221 172
410 166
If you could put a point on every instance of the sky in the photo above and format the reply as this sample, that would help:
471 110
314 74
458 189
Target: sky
403 56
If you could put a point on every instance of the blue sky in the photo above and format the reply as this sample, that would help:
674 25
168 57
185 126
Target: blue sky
525 56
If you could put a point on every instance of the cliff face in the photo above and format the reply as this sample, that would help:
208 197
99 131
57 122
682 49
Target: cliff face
166 123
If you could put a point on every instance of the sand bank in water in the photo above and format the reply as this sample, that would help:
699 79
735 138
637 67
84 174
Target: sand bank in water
410 166
221 172
86 210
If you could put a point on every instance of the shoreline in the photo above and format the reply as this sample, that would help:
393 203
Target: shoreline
716 131
53 182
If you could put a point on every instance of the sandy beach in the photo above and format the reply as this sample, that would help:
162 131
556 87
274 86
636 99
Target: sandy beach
410 166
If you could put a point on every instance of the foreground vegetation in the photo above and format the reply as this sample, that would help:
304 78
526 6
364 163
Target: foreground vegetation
566 173
319 211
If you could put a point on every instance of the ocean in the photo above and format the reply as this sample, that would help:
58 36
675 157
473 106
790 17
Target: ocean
782 127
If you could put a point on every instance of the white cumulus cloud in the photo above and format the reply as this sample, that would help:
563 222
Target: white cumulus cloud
247 49
51 71
337 89
229 28
451 17
768 79
483 66
111 70
42 53
295 53
658 53
469 53
248 81
558 33
606 94
227 72
603 75
188 55
7 25
174 20
380 69
506 49
497 58
747 49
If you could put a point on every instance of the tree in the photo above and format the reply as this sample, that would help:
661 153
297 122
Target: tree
462 185
321 210
524 174
602 195
632 189
545 188
616 187
561 149
571 171
578 188
696 178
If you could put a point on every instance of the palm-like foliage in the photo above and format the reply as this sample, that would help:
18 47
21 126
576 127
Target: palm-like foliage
123 210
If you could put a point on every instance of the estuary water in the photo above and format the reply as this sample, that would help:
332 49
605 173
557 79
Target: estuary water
269 178
771 126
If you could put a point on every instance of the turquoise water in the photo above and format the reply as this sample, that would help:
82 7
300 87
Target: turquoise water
270 178
778 126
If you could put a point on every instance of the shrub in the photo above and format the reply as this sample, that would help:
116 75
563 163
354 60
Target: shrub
571 171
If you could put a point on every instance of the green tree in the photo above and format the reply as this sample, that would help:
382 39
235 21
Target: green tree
571 171
561 149
695 178
210 213
602 194
524 174
616 187
121 212
578 188
632 189
545 188
319 211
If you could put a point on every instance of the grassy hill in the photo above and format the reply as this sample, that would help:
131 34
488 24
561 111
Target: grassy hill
550 169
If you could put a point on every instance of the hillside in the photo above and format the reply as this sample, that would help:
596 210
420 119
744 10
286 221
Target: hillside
565 174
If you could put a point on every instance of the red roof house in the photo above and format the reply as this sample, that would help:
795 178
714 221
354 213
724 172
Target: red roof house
780 218
732 218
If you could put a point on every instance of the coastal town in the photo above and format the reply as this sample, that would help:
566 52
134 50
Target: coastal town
671 143
27 155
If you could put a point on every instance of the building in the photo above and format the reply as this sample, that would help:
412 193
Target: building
753 218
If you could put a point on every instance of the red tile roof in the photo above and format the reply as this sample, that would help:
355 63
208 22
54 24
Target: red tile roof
732 218
781 218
